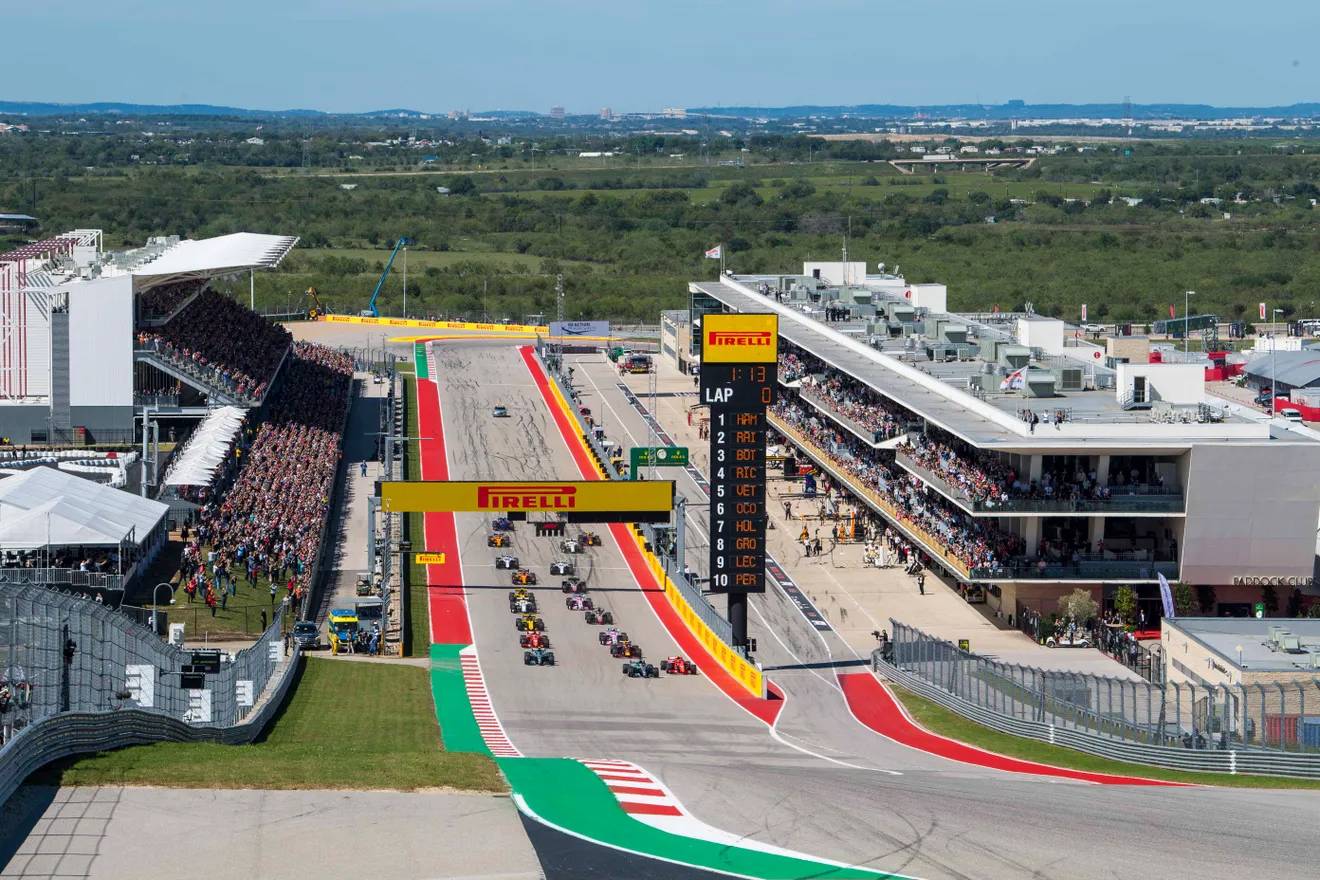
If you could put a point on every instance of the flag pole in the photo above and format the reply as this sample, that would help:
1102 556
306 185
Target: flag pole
721 260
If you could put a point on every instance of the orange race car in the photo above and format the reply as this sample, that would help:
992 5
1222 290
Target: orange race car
524 577
498 539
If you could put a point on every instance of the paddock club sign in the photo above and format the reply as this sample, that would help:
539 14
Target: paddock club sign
580 501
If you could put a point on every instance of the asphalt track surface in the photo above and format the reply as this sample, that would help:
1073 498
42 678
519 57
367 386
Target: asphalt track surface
820 781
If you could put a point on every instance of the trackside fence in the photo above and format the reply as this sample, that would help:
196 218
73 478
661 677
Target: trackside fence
1252 729
76 676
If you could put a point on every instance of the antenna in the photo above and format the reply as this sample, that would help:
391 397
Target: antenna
1127 113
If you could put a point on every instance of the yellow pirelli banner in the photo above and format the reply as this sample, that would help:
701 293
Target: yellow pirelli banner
739 339
583 500
434 325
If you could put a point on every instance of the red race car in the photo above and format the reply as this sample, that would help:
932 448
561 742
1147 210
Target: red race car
599 617
626 649
533 640
678 666
578 603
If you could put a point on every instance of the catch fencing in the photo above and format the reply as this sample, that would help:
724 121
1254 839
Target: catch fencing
1267 726
71 665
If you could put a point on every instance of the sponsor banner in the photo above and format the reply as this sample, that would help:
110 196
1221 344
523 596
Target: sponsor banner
429 558
579 328
740 339
529 496
432 325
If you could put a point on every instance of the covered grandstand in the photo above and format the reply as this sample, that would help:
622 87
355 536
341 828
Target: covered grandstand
88 338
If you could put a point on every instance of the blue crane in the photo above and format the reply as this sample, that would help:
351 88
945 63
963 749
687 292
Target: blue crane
371 306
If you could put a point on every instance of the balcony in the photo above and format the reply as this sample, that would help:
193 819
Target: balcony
1088 568
825 407
1123 499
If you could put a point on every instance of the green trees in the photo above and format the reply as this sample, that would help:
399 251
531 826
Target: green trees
1125 605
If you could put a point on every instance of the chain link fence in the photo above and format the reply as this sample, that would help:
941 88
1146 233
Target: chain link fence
1280 716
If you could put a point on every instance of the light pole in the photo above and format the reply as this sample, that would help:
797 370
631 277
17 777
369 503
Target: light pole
1187 314
155 604
1274 361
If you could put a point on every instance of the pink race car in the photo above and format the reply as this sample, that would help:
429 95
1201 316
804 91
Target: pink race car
613 636
578 603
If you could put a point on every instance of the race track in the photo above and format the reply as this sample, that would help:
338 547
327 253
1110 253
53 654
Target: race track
819 782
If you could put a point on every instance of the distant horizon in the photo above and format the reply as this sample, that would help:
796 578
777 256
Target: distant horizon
87 106
588 54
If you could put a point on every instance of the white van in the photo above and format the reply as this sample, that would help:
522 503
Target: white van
1291 415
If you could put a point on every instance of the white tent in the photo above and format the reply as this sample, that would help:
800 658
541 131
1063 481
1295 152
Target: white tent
206 448
44 506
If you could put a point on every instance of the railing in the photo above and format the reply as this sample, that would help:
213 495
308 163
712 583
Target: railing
1088 567
85 678
1243 729
1122 499
822 403
61 577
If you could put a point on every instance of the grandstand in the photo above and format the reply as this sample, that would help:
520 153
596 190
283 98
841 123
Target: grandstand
88 337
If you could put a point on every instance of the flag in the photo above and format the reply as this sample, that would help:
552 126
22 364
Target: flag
1014 380
1262 311
1083 313
1166 596
715 253
1172 312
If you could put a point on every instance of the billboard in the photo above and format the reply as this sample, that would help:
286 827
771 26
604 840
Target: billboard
739 339
584 501
580 328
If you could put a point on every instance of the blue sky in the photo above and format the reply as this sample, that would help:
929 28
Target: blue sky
586 54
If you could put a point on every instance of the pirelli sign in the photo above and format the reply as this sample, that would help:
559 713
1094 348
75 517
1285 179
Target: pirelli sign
578 501
739 339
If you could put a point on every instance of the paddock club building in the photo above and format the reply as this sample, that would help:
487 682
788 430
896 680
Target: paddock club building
1193 487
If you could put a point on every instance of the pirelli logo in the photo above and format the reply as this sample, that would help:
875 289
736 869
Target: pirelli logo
526 496
613 501
740 339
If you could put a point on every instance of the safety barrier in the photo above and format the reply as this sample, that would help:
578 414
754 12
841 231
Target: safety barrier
695 612
433 325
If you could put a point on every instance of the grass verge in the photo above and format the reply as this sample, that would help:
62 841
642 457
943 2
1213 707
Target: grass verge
940 720
348 724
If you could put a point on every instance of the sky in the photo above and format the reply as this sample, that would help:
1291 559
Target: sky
439 55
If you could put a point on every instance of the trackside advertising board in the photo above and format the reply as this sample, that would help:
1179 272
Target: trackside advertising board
739 339
579 328
581 501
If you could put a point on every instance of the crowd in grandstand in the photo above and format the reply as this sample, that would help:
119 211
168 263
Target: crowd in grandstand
267 526
162 300
229 344
844 396
975 543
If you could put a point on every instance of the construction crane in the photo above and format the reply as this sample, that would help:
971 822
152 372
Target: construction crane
371 311
316 309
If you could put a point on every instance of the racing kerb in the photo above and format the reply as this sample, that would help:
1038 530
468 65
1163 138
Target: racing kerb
745 673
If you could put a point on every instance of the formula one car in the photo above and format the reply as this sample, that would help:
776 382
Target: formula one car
578 603
538 657
506 561
523 606
533 639
500 412
627 649
598 617
519 593
612 636
589 539
524 578
572 545
573 585
498 539
501 524
562 566
639 669
529 623
678 666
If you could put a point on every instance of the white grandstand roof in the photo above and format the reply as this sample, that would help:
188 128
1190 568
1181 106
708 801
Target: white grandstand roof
45 506
217 256
207 448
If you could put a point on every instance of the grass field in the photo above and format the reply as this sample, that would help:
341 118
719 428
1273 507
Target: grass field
942 721
420 260
348 724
